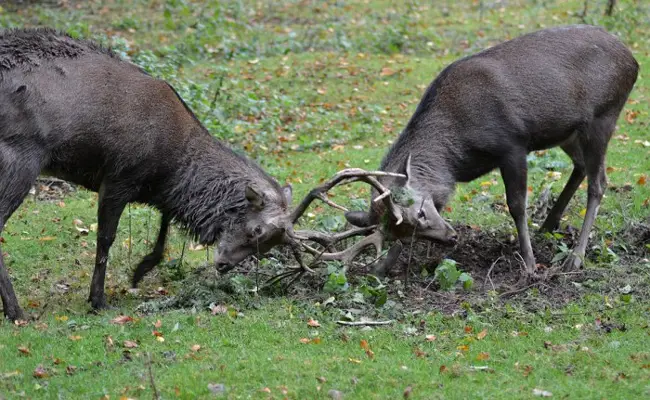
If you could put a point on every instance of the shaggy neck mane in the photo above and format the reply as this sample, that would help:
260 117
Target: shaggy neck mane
207 197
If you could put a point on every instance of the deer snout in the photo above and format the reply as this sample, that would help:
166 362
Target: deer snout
452 236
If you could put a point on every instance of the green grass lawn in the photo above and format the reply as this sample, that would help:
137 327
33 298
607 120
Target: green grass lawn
307 88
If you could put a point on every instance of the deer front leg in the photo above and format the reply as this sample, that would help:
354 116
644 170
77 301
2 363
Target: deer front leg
514 172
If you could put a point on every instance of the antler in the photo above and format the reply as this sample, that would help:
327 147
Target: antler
347 255
296 239
348 176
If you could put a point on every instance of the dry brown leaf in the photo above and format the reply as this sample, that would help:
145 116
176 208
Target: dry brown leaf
482 334
364 344
313 323
482 356
24 350
430 338
129 344
121 319
40 372
74 338
642 180
219 309
195 348
157 324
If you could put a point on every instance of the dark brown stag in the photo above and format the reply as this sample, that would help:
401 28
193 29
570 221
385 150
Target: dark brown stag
561 87
73 109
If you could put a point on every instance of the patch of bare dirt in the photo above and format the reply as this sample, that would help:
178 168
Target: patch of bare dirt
491 257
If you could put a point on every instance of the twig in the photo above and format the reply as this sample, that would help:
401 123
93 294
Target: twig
519 290
487 277
364 323
156 395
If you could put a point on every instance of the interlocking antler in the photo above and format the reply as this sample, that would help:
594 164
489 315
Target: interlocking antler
348 176
346 256
373 237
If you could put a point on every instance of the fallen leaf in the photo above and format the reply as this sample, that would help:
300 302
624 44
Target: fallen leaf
468 329
354 360
156 333
386 71
160 339
430 338
335 394
463 348
630 116
70 369
305 340
419 353
195 348
265 390
129 344
47 238
370 354
364 344
642 180
443 369
541 393
24 350
528 369
74 338
21 322
407 392
219 309
313 323
40 372
316 340
109 341
216 388
121 319
483 356
482 334
157 324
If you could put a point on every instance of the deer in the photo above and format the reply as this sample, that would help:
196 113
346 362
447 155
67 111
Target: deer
558 87
75 110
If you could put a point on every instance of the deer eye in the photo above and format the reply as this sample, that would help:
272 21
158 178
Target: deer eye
258 230
421 214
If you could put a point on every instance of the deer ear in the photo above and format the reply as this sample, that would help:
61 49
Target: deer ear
288 193
406 168
255 198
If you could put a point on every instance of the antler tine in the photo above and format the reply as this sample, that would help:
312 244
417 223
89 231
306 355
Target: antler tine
347 255
327 240
347 176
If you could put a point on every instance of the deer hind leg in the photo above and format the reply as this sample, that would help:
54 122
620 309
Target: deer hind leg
574 150
594 145
514 171
19 168
152 259
112 202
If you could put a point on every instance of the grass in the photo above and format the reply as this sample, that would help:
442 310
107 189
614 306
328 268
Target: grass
307 88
